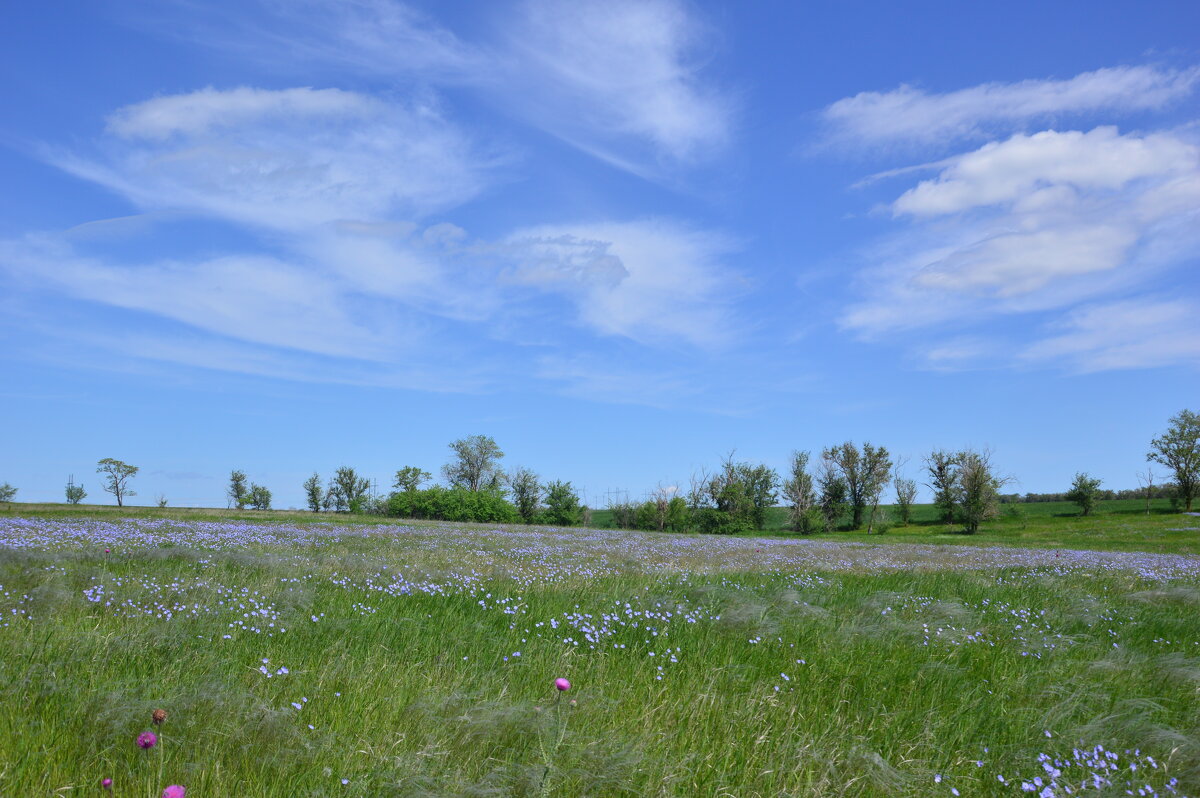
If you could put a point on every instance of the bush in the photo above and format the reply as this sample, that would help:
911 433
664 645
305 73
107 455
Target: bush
453 504
562 504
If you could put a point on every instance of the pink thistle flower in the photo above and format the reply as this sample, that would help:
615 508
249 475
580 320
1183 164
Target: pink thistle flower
147 740
106 784
174 791
562 684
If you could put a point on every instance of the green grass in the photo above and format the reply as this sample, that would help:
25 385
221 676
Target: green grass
909 673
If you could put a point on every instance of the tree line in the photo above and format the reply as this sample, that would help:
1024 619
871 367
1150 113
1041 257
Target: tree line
841 489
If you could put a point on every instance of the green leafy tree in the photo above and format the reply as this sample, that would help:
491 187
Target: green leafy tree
978 488
237 492
410 478
334 498
75 493
942 467
800 494
906 496
476 464
865 473
833 493
352 487
1083 492
313 493
116 478
1179 450
562 504
525 488
7 492
258 497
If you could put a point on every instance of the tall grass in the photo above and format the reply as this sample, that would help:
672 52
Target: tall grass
422 663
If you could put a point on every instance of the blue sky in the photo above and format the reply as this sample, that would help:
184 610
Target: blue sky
621 238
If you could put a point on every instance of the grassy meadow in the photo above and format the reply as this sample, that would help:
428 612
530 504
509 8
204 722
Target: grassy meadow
299 657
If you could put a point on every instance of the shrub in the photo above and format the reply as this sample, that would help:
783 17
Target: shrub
453 504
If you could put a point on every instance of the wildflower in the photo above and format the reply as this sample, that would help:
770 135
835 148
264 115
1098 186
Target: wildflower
174 791
158 716
147 740
106 784
562 684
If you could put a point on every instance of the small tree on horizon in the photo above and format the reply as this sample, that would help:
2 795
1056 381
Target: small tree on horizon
237 491
410 478
562 504
906 496
476 464
799 492
1179 450
942 467
75 493
7 492
258 497
978 488
352 487
526 489
1083 492
833 493
116 478
313 493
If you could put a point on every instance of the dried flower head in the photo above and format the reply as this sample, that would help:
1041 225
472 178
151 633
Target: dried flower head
147 740
158 716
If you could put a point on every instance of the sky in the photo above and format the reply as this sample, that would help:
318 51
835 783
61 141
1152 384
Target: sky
624 239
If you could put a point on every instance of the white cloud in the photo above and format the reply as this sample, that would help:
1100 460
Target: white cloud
287 159
910 115
1129 334
651 281
1034 223
595 72
622 81
1022 166
198 111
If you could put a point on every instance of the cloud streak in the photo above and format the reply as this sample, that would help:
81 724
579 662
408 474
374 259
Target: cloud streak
911 116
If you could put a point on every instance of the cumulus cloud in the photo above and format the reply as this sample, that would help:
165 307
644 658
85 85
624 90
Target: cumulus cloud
287 159
1033 223
911 115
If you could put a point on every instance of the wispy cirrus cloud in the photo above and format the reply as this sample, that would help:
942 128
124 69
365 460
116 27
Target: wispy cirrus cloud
627 82
286 159
911 116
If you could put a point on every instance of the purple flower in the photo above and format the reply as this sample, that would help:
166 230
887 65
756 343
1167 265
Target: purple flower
106 784
174 791
562 684
147 740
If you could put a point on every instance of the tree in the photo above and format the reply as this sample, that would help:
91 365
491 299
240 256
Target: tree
906 496
562 504
410 478
942 467
75 493
526 489
162 500
258 497
865 473
833 492
7 492
740 493
1083 492
1147 479
312 492
116 478
475 465
800 495
978 488
1179 450
352 487
237 491
334 499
